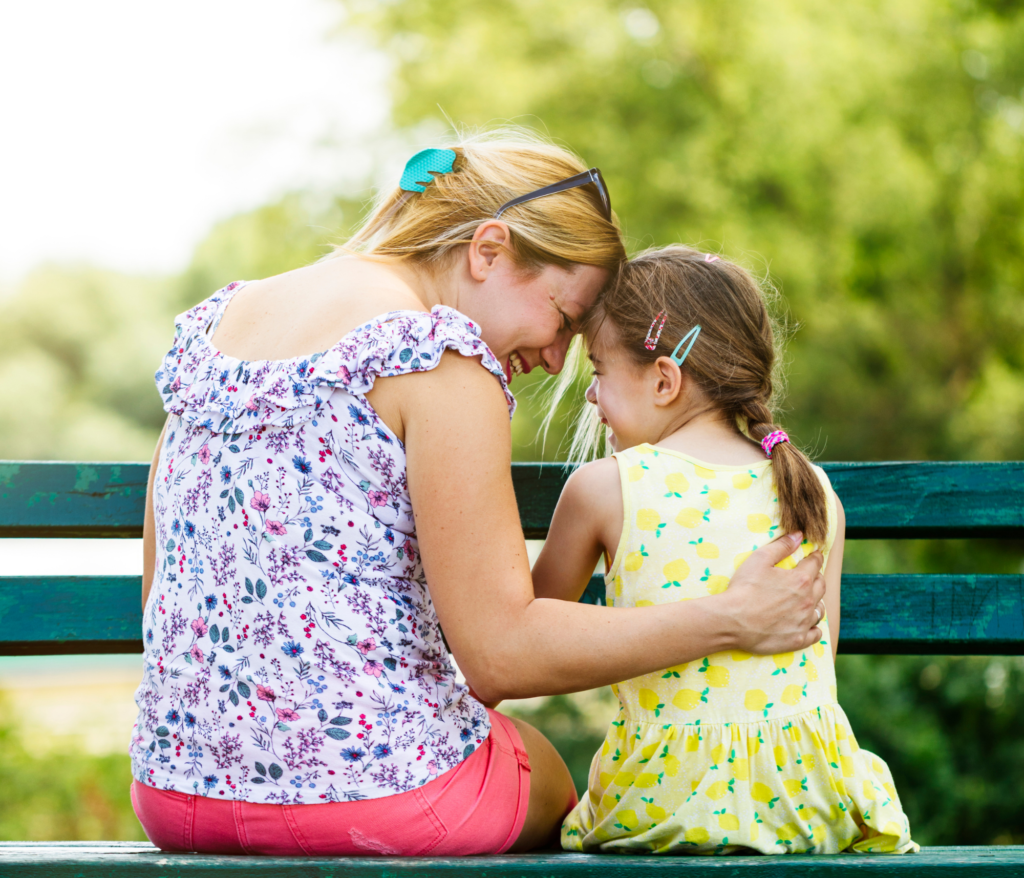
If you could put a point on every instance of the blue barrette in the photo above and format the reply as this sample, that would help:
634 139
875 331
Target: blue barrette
418 170
691 336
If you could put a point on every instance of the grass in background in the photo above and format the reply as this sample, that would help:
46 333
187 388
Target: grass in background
62 796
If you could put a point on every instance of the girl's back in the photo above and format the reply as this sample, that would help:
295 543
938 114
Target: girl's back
735 751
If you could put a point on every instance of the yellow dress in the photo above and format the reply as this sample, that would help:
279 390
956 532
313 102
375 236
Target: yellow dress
733 752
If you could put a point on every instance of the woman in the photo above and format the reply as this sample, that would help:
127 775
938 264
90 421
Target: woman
298 697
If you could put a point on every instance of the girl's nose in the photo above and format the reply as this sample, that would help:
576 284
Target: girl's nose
591 393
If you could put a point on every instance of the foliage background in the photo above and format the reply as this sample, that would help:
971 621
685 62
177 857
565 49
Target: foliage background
865 157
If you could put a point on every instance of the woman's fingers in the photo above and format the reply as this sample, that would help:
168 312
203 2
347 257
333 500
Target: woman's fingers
788 606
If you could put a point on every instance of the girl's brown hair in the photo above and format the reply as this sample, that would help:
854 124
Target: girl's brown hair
734 361
491 168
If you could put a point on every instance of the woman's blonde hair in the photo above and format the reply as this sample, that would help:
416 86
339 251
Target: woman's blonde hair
565 229
734 360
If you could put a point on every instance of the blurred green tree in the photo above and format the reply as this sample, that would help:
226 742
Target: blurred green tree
869 154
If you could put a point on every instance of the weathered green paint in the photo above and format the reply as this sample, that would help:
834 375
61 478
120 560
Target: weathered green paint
915 499
919 615
123 859
50 615
72 499
903 500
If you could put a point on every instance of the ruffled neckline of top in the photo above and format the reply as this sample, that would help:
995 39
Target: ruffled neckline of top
228 394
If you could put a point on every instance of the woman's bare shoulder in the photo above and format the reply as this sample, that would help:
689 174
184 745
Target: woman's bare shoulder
310 309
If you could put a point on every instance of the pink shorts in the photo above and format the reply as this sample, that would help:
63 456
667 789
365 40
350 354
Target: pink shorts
479 807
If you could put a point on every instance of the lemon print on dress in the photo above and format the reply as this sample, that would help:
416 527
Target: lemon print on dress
653 811
645 780
697 835
714 675
649 519
787 832
705 550
716 584
759 523
636 472
635 560
691 517
742 481
704 472
760 792
741 769
782 662
675 572
649 700
719 789
687 699
795 786
757 700
627 820
727 821
716 499
792 694
677 485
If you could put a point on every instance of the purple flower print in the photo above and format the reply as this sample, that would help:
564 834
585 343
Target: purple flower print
270 438
374 669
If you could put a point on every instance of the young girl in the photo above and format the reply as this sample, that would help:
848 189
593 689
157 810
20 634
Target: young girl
733 753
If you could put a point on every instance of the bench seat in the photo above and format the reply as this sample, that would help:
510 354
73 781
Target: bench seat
111 859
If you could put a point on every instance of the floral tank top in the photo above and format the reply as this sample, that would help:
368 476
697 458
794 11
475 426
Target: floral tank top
292 651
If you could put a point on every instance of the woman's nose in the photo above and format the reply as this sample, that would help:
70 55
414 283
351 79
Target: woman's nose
591 393
552 358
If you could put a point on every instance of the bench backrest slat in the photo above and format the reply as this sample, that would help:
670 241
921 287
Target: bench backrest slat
920 615
896 500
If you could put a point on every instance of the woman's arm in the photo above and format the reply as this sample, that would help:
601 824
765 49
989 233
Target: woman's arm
833 576
149 525
582 527
509 643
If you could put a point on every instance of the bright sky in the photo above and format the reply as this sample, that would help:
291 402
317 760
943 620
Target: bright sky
130 127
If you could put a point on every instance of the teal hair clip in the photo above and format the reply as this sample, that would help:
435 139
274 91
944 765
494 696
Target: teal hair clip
418 170
691 336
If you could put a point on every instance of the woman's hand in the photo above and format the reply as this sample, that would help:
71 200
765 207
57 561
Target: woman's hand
776 610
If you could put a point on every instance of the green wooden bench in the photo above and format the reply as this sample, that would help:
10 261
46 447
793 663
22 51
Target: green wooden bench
942 614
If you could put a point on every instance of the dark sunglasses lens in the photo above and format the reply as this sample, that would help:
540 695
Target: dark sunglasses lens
602 190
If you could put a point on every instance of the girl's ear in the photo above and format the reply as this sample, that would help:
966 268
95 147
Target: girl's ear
669 380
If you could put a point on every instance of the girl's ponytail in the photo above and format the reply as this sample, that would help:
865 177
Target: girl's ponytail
803 505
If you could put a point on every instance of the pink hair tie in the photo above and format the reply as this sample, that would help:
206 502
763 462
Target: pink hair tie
773 439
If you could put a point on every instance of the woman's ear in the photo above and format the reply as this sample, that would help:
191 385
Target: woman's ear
491 241
669 379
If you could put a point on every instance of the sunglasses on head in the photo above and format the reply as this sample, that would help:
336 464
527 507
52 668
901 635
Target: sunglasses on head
593 176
